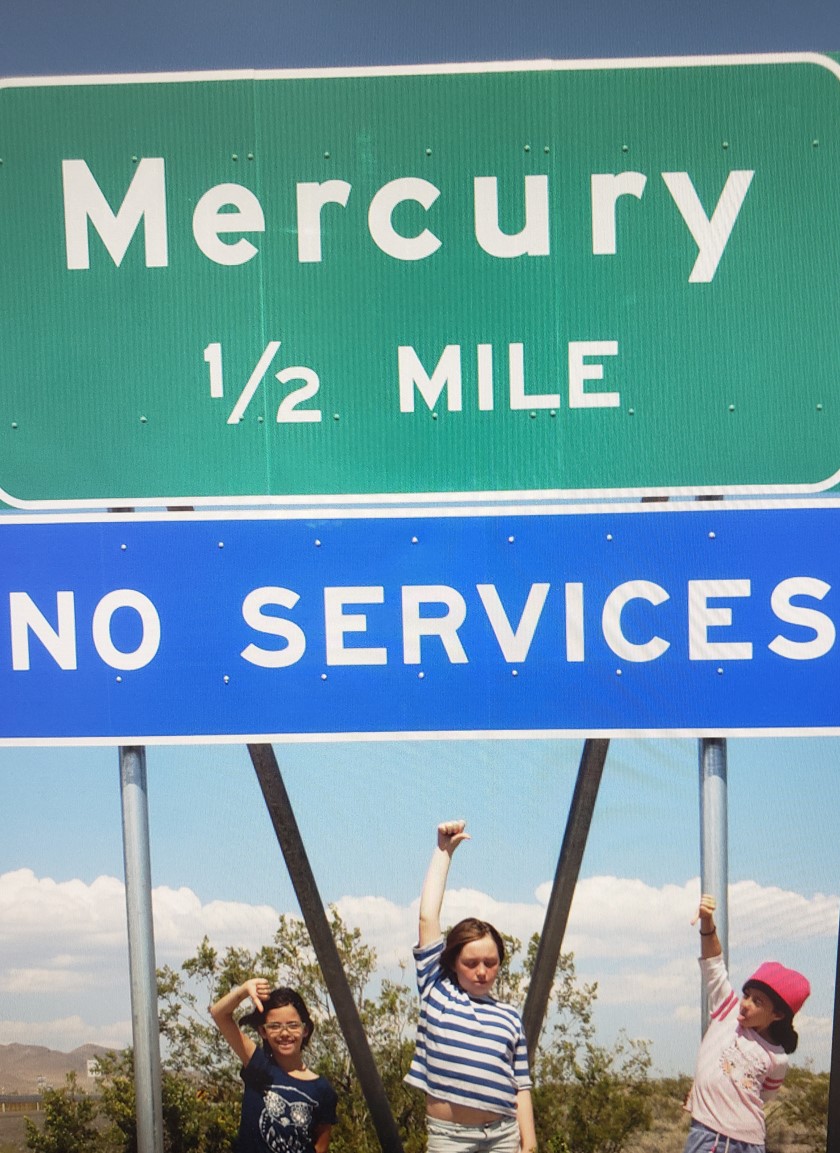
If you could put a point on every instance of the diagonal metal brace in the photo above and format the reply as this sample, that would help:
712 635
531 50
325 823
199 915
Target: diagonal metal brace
563 890
311 906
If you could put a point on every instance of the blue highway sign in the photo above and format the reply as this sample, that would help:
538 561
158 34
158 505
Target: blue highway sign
625 620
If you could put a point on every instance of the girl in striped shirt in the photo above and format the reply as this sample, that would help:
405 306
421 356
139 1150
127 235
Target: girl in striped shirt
743 1056
471 1058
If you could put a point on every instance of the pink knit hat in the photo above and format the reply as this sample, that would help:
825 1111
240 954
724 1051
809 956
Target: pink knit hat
792 987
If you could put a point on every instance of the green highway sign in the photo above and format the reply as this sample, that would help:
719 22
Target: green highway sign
547 279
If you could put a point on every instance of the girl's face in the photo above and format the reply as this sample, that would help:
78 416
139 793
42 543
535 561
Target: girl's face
285 1033
477 966
756 1010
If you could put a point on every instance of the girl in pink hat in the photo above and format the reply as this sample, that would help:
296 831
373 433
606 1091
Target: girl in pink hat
743 1056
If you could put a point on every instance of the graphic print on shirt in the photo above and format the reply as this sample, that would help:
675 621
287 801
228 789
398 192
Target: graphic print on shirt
284 1125
742 1070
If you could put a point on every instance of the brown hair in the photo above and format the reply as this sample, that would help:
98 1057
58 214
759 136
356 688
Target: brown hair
470 929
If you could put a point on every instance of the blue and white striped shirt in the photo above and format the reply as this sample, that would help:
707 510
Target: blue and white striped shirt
470 1050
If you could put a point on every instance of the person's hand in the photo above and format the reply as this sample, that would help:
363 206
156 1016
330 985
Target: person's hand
258 989
450 834
705 913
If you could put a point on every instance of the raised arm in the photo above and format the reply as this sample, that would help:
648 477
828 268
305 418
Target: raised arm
222 1013
449 836
709 943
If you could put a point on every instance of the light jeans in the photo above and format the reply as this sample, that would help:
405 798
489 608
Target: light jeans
704 1140
500 1136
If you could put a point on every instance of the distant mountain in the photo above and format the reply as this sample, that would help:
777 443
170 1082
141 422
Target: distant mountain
29 1068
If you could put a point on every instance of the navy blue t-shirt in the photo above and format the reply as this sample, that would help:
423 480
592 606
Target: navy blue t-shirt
281 1113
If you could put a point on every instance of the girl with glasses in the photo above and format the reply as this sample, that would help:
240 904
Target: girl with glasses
286 1107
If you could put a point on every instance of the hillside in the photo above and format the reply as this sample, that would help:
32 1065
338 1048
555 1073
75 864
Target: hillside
23 1066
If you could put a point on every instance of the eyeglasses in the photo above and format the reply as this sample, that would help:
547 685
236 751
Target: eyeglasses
291 1027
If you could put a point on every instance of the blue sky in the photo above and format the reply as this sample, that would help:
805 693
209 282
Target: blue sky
367 811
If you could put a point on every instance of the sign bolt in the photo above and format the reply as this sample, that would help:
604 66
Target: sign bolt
819 409
336 416
317 543
618 672
815 143
711 536
119 680
323 676
631 412
514 672
725 144
221 544
511 539
14 424
434 416
414 540
326 155
720 672
546 150
732 408
123 547
420 675
527 147
609 536
428 152
144 420
250 156
234 156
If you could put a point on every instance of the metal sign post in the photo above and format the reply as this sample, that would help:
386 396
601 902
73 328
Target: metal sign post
141 950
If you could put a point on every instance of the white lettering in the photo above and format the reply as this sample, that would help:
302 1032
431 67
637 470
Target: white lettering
145 200
209 223
514 645
445 627
150 631
60 643
337 624
702 617
447 374
580 372
519 399
311 198
711 236
293 634
533 240
611 621
606 188
822 626
382 208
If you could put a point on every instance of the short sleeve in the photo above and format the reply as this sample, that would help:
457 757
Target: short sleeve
327 1110
427 963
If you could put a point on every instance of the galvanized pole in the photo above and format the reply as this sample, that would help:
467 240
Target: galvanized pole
833 1135
563 890
311 906
714 840
141 949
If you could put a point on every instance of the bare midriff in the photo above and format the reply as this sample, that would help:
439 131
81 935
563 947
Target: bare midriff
459 1114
